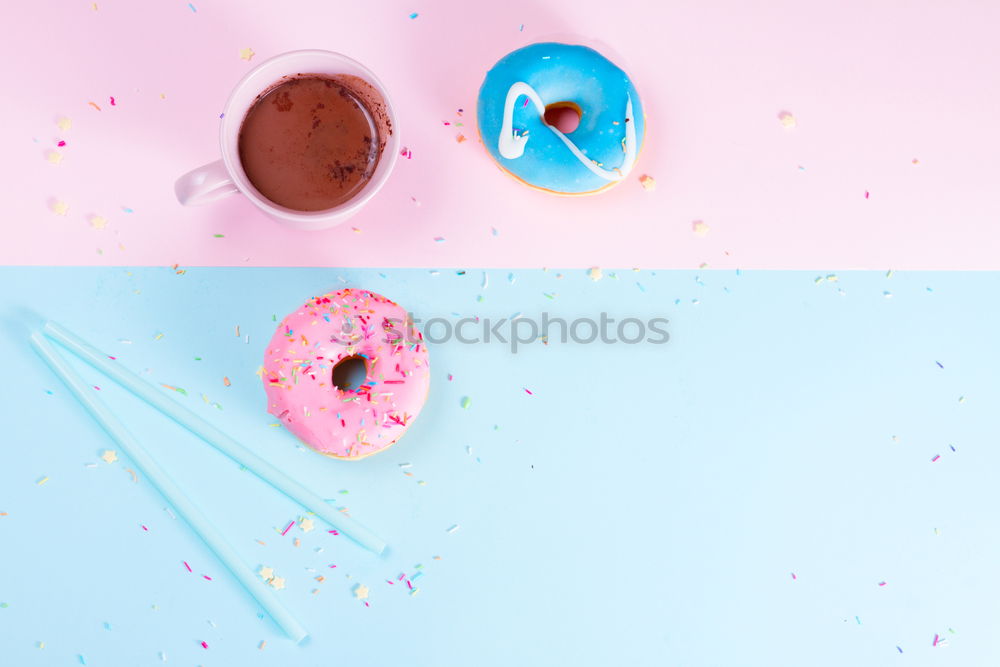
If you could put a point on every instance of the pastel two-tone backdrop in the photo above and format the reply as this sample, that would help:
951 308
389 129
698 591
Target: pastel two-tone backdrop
802 473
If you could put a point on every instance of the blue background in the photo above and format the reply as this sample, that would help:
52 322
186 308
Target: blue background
646 505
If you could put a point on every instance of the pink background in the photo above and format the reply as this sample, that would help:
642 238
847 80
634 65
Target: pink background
873 85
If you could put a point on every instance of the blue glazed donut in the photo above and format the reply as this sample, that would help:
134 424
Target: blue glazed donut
599 153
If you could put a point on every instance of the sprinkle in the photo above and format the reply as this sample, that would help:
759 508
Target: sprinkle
112 101
94 105
699 227
528 391
595 273
940 365
786 119
53 156
647 182
881 583
219 236
98 221
204 645
460 137
263 643
187 566
407 153
225 381
466 402
794 578
899 649
64 123
438 239
179 390
866 194
453 528
59 207
287 528
277 583
135 478
246 54
935 459
961 399
206 577
360 591
42 481
192 8
414 15
109 456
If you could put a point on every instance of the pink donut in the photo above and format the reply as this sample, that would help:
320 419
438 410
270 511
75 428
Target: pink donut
350 325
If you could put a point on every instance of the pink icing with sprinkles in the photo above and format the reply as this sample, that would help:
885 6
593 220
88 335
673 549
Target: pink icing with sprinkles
309 343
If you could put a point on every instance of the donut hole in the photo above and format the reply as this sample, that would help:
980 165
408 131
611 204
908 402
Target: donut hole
349 373
564 116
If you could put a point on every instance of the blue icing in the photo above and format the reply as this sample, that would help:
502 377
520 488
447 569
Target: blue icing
561 73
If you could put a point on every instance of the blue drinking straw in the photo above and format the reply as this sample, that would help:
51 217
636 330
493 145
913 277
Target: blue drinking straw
174 495
216 438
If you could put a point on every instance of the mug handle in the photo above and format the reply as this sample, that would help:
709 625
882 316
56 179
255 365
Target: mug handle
204 184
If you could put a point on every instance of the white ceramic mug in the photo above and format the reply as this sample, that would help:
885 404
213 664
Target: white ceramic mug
226 176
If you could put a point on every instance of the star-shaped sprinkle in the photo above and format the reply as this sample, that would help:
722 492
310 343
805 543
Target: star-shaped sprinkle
307 524
266 573
699 228
277 583
59 207
109 456
247 53
53 157
595 273
64 124
98 221
647 182
361 592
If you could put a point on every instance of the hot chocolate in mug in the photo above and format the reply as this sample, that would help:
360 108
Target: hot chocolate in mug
278 136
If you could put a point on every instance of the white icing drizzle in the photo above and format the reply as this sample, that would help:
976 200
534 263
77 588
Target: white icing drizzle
511 144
